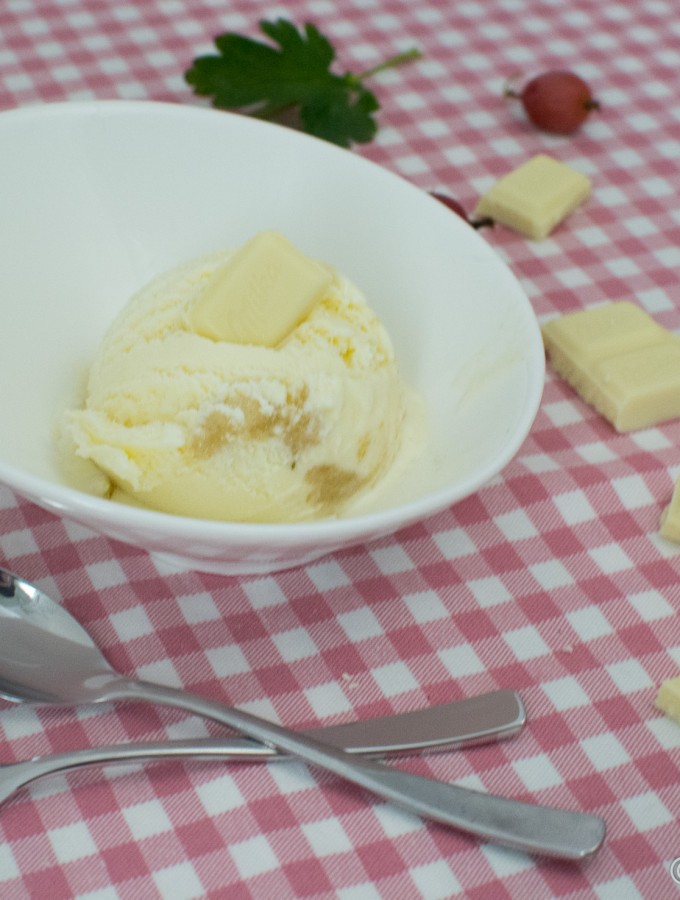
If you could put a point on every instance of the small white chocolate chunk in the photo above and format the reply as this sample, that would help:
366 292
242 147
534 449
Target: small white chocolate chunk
620 361
669 526
668 698
534 198
266 289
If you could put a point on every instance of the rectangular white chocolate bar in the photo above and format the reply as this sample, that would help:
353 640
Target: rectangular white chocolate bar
668 698
534 198
620 361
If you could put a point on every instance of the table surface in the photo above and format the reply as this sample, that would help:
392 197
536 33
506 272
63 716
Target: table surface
551 580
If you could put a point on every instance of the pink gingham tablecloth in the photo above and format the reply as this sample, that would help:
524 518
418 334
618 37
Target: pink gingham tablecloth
551 580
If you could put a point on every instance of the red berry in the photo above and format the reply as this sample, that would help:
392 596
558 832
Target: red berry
557 101
452 204
459 210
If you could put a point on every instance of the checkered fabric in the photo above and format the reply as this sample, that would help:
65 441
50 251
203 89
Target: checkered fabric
551 580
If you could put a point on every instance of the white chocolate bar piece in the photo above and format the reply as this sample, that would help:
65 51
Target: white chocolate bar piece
668 698
534 198
620 361
265 290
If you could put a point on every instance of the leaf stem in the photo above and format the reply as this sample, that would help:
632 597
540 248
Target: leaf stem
397 60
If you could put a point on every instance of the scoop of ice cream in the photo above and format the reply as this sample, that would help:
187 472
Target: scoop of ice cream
213 429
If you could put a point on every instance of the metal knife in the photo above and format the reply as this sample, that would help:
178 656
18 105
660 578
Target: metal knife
476 720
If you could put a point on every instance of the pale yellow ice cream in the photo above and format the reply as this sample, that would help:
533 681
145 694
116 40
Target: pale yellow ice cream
213 429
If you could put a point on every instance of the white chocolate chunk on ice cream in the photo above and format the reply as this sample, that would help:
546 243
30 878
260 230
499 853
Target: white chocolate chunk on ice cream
265 289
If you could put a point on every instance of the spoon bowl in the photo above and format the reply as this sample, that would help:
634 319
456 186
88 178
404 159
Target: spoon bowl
46 656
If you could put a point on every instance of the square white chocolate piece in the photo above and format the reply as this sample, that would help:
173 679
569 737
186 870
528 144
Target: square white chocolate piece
620 361
534 198
668 698
265 290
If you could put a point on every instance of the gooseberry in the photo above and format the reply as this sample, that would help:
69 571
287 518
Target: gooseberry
557 101
459 210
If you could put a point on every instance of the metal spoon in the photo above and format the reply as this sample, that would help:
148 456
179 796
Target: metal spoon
46 657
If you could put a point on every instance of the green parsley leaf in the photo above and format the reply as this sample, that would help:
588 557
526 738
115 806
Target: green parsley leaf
293 79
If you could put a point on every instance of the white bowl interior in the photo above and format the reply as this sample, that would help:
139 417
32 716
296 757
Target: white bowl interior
100 197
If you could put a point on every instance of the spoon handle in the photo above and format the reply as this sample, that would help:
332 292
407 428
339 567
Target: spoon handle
535 829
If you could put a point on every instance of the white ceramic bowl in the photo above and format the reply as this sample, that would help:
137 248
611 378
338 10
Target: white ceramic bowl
99 197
